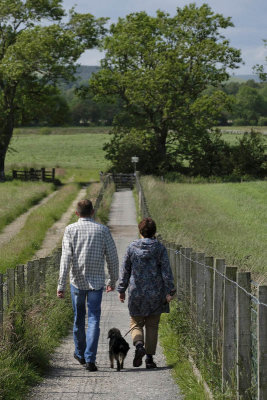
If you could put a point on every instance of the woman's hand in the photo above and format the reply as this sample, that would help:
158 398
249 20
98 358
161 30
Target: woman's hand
122 297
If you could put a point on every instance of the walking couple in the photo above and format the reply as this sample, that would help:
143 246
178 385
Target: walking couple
145 271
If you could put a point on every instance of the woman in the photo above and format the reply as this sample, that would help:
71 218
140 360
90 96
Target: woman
147 274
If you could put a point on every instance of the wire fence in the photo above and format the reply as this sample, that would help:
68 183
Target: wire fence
228 310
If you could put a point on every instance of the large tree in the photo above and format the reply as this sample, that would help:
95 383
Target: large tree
160 66
37 48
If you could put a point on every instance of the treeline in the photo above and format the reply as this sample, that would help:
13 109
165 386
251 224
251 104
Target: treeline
248 103
69 105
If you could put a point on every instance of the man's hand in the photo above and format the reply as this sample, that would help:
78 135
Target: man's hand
60 294
122 297
169 298
109 289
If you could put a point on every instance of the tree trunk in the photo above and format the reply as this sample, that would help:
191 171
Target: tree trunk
161 137
5 137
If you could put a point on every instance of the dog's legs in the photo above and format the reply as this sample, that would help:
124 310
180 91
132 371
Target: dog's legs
122 360
118 365
111 358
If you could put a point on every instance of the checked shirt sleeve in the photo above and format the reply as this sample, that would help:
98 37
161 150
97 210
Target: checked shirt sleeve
65 262
111 258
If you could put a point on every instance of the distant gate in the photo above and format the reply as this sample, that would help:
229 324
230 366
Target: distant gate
124 181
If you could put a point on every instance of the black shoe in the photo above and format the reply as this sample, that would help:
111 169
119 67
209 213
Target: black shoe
91 366
139 354
80 360
150 364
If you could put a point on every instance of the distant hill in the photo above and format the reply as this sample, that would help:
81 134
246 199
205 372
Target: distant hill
84 72
243 78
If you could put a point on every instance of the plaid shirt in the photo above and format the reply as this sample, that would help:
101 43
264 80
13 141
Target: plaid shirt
85 246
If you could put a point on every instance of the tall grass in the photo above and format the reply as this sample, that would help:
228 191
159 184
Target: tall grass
24 245
33 328
226 220
103 211
16 197
172 338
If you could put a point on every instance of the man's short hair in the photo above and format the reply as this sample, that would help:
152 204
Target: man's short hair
147 227
85 208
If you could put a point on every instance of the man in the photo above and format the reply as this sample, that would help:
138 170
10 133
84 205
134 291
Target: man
85 246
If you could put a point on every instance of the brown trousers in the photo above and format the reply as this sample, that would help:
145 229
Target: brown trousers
151 324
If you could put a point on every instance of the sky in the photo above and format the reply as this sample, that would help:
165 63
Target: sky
248 16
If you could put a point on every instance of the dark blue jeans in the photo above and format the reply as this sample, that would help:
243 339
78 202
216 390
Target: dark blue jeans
86 343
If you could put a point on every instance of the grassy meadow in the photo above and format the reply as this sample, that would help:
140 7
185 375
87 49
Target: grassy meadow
70 150
224 220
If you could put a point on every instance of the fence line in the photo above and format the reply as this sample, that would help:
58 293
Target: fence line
35 175
31 277
229 320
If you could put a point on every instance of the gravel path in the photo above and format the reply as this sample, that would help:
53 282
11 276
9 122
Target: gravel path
68 380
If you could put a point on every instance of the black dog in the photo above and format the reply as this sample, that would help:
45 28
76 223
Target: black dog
118 348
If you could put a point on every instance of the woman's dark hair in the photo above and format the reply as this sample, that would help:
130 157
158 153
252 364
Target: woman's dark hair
147 227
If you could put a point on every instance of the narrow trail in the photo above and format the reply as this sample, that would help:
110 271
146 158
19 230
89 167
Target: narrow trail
54 234
14 228
68 380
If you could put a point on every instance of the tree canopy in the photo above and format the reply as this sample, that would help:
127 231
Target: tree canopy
159 67
34 55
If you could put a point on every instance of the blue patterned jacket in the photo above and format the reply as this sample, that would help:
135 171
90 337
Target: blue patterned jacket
147 273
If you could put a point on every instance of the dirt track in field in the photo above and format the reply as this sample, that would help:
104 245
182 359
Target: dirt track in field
14 228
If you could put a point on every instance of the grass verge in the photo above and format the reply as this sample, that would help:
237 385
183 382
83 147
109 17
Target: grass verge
172 341
23 246
32 331
17 197
103 211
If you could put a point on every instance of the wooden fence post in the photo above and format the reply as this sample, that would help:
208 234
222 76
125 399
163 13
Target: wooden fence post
262 343
187 273
182 274
1 303
42 271
244 341
218 293
177 269
172 257
200 297
30 277
193 283
229 329
20 277
10 285
53 174
209 277
36 266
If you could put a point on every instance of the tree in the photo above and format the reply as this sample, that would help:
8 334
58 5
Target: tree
34 56
159 67
249 105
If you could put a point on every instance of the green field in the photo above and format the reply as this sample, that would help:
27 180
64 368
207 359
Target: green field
79 150
224 220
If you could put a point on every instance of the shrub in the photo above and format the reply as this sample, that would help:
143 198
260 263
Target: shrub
45 131
262 121
248 156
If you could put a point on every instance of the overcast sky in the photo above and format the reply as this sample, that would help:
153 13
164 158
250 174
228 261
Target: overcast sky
248 16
